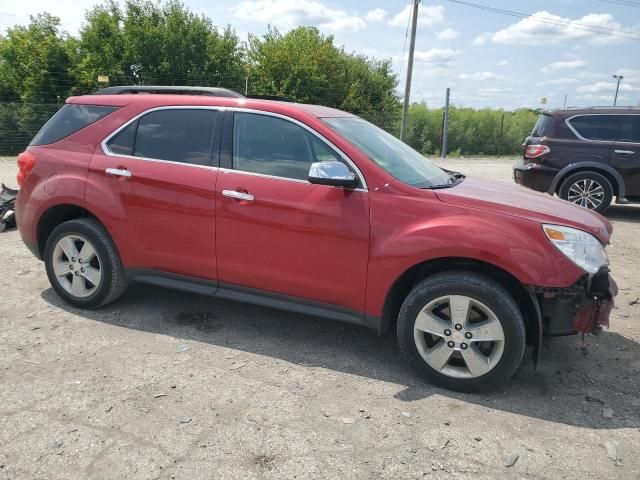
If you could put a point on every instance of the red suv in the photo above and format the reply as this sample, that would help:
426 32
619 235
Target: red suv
313 210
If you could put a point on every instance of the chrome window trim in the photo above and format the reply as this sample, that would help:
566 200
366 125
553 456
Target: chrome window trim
284 179
567 121
109 153
333 147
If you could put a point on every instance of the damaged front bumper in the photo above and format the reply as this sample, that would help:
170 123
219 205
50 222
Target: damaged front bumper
581 308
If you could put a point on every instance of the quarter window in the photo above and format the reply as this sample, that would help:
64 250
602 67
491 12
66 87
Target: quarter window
274 146
600 127
177 135
68 120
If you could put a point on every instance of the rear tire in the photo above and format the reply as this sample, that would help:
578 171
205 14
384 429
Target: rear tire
590 190
89 282
441 339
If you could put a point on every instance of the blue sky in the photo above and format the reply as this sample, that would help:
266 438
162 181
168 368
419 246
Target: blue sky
488 59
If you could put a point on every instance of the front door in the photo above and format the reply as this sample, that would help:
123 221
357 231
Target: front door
161 171
278 233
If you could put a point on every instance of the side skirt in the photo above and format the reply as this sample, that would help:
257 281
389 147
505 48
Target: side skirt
251 295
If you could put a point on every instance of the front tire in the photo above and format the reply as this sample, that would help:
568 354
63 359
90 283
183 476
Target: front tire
462 331
83 265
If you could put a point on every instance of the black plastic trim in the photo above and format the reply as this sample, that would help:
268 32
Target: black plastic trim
252 295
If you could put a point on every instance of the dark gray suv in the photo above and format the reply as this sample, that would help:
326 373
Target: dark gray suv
586 156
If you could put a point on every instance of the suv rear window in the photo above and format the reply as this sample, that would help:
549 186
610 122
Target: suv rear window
542 126
599 127
69 119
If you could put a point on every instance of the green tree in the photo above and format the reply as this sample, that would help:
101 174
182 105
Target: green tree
36 61
306 66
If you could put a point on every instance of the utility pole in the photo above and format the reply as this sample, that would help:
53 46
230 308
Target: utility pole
445 126
619 78
407 86
565 100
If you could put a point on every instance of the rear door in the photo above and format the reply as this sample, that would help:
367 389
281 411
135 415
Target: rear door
155 178
626 153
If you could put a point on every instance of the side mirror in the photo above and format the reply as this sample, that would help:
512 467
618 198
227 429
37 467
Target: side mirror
333 173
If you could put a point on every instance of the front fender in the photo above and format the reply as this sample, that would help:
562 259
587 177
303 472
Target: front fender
513 244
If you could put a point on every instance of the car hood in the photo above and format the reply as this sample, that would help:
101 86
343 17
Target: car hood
524 203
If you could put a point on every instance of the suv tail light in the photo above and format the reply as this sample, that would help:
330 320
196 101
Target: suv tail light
535 151
26 162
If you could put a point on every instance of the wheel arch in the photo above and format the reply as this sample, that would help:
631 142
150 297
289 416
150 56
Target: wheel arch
56 215
617 182
410 277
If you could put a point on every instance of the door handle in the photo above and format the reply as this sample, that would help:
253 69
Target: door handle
247 197
118 172
625 152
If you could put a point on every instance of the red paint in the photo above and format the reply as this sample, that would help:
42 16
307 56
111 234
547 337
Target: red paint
317 242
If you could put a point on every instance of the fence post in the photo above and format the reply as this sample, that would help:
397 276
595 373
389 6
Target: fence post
445 127
500 135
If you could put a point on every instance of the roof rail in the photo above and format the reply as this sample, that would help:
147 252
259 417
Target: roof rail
272 97
602 107
169 90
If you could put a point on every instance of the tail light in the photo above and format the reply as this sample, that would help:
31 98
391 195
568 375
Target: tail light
535 151
26 162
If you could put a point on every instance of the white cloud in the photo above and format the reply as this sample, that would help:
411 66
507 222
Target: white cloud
544 28
437 57
376 15
292 13
559 81
502 63
601 87
480 76
564 66
427 16
604 98
448 34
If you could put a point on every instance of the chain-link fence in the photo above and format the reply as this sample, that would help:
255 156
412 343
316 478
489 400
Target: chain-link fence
19 122
470 132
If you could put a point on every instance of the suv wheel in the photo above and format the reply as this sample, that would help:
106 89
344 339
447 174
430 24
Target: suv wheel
462 331
83 265
587 189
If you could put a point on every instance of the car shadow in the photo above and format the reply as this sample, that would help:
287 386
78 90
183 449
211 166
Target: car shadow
623 213
571 385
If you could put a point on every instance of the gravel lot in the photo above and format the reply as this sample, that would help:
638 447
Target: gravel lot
168 385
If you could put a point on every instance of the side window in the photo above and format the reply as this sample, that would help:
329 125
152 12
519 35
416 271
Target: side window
177 135
630 129
274 146
123 141
598 127
636 129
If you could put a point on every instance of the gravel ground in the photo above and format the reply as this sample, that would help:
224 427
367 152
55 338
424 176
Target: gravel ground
166 385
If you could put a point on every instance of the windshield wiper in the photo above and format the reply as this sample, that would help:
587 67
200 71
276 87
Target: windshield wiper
454 179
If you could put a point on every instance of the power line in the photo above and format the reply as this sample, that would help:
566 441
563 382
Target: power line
562 23
623 3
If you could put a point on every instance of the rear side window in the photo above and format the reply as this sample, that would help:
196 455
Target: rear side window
176 135
277 147
600 127
542 126
69 119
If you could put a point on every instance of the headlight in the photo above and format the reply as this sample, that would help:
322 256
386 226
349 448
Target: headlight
580 247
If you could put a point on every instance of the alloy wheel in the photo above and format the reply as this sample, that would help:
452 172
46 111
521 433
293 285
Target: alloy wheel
459 336
77 266
586 193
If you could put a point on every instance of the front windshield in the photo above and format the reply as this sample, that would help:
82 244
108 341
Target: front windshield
396 157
